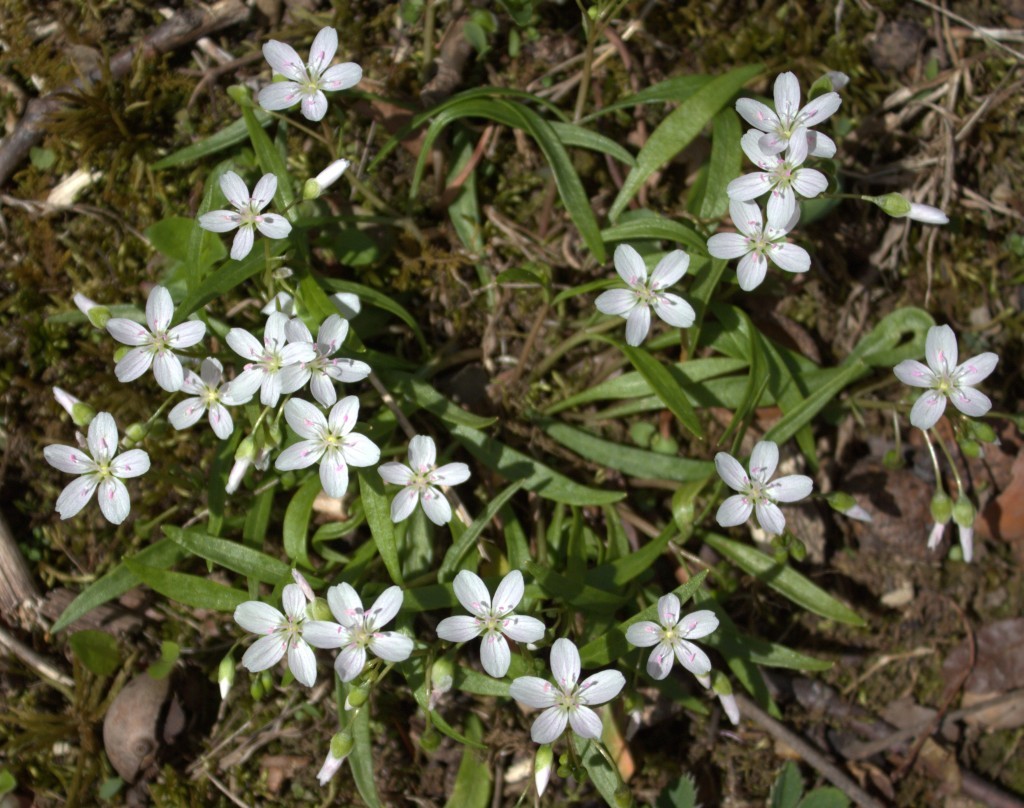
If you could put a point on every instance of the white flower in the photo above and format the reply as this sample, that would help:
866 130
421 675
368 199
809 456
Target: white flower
279 633
155 345
670 635
207 394
307 81
341 746
635 303
781 124
322 369
784 177
927 214
270 358
329 441
420 482
566 702
755 244
100 470
357 631
755 492
945 379
247 215
493 621
326 178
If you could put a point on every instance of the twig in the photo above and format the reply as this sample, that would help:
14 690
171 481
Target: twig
814 757
981 32
38 663
183 28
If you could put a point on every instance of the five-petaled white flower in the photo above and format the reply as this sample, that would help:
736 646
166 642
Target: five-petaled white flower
280 633
100 470
566 702
635 303
420 482
329 441
307 81
156 344
755 491
269 359
671 634
946 379
784 176
357 631
248 214
780 125
322 369
492 620
755 244
207 394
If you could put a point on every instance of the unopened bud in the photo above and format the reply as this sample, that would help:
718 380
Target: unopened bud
894 204
970 448
542 764
941 507
303 584
240 94
623 797
964 512
281 302
97 314
316 186
80 412
121 352
341 746
846 505
256 689
892 460
135 433
226 675
357 697
442 677
983 432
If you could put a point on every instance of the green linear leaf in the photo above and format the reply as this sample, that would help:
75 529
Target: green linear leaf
452 559
295 530
473 782
783 579
571 134
370 295
189 590
228 276
724 164
231 555
428 398
227 137
675 89
656 227
378 516
573 590
679 128
361 758
536 476
271 161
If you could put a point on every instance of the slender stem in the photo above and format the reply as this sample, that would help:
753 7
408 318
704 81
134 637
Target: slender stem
952 465
935 461
429 17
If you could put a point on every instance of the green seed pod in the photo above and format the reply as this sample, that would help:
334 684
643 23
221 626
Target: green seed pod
970 448
357 696
256 689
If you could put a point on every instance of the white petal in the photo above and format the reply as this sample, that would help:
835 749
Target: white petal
395 473
264 653
264 192
128 332
75 495
133 463
258 617
659 663
284 60
928 409
637 325
299 456
234 188
764 460
565 662
914 373
219 221
616 302
796 153
757 114
341 77
585 723
247 383
643 634
345 604
113 499
820 145
322 388
221 422
693 658
820 109
386 607
787 95
749 186
270 389
69 459
698 624
350 662
314 106
940 348
790 257
734 511
323 49
472 593
747 217
348 370
751 270
773 143
133 364
242 243
523 629
674 310
302 663
325 634
332 334
975 369
343 415
728 245
244 344
422 453
790 488
294 601
346 302
461 628
601 687
970 401
670 269
334 473
293 377
279 95
159 309
360 451
781 204
211 371
168 371
495 655
630 265
391 646
751 145
548 725
731 472
436 507
404 504
770 518
668 610
509 592
305 419
808 183
450 474
533 692
273 226
102 437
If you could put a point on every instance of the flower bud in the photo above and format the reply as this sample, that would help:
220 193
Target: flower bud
357 697
963 514
121 352
970 448
941 507
303 584
281 302
80 412
892 460
983 432
256 689
240 94
927 214
135 433
846 505
97 314
623 797
341 745
226 675
542 764
316 186
441 680
895 205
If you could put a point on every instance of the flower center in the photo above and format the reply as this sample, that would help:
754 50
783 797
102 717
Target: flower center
568 700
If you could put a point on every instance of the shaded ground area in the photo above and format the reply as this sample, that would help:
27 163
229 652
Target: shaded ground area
934 109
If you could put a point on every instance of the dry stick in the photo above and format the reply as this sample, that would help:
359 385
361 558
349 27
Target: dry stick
183 28
16 582
815 758
38 663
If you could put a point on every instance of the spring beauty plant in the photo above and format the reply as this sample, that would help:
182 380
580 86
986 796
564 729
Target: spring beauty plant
603 517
